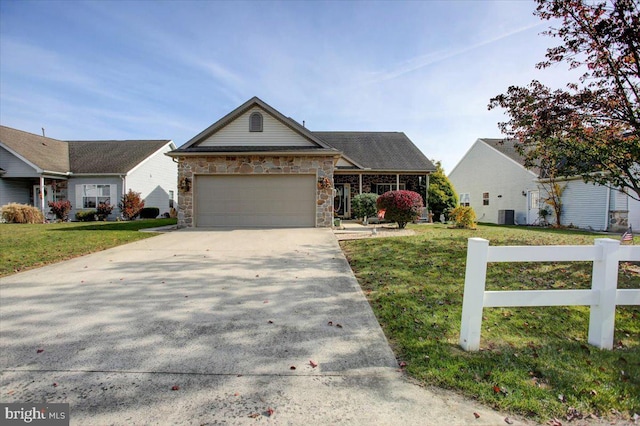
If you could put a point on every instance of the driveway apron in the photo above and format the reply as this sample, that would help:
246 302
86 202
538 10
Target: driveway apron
199 327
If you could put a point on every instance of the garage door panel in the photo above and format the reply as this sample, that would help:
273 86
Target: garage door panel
255 200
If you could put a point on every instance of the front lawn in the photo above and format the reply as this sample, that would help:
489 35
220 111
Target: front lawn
534 361
26 246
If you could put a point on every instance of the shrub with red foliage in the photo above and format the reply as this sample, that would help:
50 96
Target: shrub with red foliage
61 209
131 205
400 206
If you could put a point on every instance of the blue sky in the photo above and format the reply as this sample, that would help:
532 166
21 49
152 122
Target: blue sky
169 69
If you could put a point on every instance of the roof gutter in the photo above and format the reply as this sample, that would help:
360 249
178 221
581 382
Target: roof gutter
253 153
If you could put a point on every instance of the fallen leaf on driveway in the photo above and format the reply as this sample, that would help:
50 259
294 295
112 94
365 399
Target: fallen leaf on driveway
338 325
266 301
312 363
254 415
55 385
40 351
554 422
270 411
476 415
402 364
175 388
270 322
293 367
508 421
330 323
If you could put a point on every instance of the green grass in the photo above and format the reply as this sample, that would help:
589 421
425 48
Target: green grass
533 361
27 246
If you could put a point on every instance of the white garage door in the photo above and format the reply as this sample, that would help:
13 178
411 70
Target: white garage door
255 200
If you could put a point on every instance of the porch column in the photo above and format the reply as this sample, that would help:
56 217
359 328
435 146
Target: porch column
360 187
397 181
426 194
42 196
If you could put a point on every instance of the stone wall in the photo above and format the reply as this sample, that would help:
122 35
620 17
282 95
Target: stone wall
321 166
369 181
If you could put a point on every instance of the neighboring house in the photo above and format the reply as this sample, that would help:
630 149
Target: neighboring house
492 179
257 167
84 172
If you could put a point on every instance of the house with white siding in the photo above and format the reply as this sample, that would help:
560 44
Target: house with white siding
492 179
84 172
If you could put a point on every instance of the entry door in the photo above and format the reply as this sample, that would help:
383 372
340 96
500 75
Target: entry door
533 200
49 195
342 200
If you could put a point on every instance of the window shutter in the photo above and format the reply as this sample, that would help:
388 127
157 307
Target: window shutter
113 194
79 193
255 122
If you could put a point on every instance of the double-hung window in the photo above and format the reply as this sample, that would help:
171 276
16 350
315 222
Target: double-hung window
465 199
92 195
485 198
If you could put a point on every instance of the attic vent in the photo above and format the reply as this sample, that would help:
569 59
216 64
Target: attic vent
255 122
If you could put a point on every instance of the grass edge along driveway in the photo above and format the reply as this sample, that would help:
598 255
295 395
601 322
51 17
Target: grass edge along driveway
28 246
533 361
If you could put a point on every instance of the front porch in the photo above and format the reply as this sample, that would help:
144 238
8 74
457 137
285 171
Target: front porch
348 185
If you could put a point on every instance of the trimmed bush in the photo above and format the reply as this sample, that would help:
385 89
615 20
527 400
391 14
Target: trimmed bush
86 215
400 206
103 211
149 213
364 205
61 209
463 217
131 205
21 213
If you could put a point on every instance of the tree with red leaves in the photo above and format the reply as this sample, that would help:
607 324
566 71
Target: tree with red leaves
400 206
591 128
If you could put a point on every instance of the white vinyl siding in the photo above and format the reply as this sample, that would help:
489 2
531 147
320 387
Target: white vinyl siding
484 169
584 205
154 178
255 200
274 133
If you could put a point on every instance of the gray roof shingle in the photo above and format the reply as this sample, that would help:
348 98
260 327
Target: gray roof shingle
508 148
392 151
45 153
110 157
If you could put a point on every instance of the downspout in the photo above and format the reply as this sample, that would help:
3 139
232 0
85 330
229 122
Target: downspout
360 187
606 211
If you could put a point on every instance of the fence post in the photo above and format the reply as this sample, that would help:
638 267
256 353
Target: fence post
472 301
605 282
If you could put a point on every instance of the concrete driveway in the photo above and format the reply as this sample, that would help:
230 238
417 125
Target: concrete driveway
232 319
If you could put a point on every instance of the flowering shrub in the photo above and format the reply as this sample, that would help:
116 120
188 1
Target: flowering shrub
463 217
61 209
103 210
400 206
131 205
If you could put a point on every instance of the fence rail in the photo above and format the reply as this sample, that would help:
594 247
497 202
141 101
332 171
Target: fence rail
603 296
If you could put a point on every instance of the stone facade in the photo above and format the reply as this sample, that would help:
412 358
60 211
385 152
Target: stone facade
188 166
369 181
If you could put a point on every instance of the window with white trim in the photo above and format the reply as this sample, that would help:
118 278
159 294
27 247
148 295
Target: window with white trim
255 122
92 195
485 198
381 188
465 199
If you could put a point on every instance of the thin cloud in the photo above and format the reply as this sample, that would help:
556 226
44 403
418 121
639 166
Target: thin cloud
423 61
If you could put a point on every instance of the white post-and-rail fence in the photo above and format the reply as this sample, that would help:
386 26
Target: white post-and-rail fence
602 298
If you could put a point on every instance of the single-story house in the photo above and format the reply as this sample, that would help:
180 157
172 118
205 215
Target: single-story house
257 167
84 172
492 179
